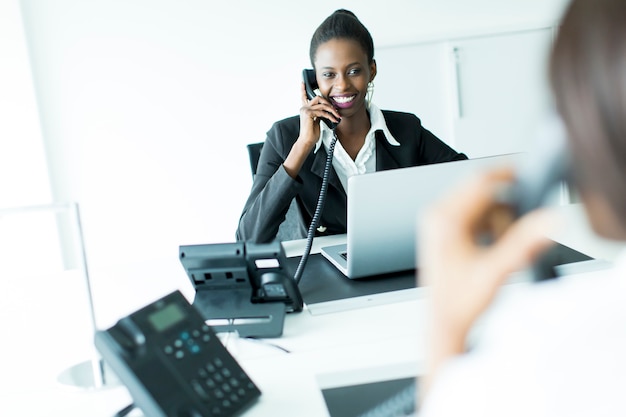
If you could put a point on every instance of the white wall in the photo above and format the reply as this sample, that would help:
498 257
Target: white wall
147 105
24 179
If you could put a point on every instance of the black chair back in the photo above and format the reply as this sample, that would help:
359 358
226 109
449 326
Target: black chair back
293 227
254 152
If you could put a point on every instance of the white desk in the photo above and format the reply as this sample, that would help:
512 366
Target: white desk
46 330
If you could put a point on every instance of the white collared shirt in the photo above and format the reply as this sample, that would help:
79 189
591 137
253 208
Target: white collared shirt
366 158
550 349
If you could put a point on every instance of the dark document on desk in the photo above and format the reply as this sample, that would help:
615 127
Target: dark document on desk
371 398
322 282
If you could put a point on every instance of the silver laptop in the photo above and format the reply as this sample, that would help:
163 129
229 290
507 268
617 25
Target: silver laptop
383 209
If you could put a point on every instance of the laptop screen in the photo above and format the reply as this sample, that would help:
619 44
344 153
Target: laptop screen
383 208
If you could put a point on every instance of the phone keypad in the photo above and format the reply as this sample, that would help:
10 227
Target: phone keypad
179 366
226 390
219 382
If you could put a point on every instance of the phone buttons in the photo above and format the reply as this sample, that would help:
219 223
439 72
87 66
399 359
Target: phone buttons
199 389
177 352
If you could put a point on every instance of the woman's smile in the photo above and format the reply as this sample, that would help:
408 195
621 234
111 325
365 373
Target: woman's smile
343 101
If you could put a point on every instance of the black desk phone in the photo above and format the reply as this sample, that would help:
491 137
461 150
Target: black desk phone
173 364
242 286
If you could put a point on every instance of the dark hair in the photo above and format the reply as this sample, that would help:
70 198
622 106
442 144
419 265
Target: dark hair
342 24
588 77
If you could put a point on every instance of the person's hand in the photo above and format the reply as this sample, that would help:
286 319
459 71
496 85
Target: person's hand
463 271
311 113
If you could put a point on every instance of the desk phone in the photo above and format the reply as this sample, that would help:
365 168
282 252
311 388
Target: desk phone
173 364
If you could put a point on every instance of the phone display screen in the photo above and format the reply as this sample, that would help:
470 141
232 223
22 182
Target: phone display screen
166 317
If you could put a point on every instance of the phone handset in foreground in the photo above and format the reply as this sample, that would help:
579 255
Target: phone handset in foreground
542 172
312 90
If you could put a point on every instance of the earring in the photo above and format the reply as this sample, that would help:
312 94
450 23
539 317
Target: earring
370 93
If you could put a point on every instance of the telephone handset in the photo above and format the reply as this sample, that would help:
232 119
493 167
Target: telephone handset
173 364
537 177
544 169
312 90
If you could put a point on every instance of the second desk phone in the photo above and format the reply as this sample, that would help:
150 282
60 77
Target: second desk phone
173 364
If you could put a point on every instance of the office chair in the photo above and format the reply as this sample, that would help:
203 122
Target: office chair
293 226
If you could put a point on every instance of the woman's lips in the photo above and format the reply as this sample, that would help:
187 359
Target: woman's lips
343 102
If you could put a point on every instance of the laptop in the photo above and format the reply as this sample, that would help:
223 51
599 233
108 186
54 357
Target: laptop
383 208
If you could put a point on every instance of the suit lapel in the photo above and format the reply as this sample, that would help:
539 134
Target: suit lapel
318 165
384 158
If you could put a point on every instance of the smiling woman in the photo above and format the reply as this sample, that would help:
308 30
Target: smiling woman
146 107
369 139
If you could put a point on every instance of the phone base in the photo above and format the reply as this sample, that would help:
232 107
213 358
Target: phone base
230 310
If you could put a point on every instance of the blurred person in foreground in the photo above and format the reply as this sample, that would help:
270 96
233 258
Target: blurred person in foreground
558 348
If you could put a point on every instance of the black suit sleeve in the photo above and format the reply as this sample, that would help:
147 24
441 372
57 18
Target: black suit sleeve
272 190
418 145
434 150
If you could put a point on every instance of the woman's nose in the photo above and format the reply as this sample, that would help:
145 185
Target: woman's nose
341 82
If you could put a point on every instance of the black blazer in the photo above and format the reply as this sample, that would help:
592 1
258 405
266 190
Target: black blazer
273 189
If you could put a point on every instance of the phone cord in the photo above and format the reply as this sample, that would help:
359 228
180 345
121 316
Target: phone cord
318 210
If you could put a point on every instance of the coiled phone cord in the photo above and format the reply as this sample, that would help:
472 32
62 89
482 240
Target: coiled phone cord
318 210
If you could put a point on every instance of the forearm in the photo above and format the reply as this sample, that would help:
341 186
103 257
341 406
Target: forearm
296 157
442 344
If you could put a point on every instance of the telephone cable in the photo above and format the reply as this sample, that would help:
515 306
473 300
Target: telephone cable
318 209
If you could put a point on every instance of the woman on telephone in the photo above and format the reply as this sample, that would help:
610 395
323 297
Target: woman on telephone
292 161
558 347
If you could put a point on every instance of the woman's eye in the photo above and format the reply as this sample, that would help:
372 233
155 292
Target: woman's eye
327 74
354 71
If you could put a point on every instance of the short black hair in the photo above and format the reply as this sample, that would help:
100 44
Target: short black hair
342 24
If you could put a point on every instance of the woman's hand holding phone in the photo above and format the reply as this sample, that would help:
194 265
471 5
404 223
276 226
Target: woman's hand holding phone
311 114
314 110
462 272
